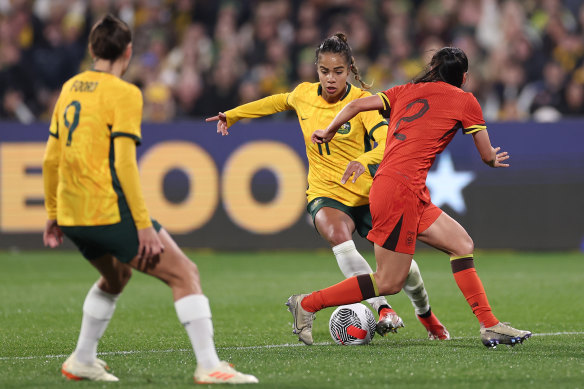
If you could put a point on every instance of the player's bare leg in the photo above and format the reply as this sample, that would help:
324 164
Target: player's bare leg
447 235
337 228
174 268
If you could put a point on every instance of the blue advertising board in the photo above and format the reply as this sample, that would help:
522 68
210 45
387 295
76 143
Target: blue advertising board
246 190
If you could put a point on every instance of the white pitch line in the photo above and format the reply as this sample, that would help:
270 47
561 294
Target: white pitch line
268 346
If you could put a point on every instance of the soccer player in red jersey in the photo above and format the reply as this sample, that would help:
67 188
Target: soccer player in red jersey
425 116
340 206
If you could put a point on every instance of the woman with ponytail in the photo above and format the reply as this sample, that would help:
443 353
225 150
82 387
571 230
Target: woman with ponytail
93 196
425 116
339 205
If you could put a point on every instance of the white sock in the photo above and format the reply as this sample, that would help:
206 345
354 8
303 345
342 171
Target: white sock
194 313
415 290
98 309
352 263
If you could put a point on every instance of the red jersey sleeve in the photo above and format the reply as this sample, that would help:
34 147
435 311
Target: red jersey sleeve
388 97
472 116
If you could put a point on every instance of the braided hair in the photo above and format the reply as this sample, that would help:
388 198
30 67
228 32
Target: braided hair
337 44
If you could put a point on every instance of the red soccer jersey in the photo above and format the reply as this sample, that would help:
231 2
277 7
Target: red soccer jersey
424 119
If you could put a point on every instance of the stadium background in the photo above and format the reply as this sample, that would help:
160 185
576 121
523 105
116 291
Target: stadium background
195 58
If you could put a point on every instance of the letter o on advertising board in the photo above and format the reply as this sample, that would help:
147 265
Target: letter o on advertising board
290 200
201 202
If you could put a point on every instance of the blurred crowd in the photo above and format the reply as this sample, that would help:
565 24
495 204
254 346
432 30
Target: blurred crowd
193 58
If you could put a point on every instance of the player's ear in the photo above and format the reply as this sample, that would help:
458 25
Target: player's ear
128 51
464 77
90 51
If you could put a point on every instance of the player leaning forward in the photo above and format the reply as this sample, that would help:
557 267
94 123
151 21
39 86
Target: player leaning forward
93 196
340 206
425 115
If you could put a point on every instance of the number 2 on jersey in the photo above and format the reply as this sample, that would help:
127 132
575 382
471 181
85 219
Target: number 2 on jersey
71 126
423 109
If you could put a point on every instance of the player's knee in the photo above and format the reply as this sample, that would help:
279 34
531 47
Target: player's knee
465 246
337 236
188 273
124 276
388 288
116 281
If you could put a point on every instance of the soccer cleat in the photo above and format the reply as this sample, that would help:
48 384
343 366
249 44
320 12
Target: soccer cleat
436 330
72 369
223 373
501 333
389 321
302 319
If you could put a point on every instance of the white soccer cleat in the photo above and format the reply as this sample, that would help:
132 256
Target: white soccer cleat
223 373
72 369
501 333
302 318
389 321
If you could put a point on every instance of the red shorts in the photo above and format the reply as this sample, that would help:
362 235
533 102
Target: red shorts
398 215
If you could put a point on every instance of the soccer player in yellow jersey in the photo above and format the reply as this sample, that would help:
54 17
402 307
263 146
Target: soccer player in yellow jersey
93 196
338 204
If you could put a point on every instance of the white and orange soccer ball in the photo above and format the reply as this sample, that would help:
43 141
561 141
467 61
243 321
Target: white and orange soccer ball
352 324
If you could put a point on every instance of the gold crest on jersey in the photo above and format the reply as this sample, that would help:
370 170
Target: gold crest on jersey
345 128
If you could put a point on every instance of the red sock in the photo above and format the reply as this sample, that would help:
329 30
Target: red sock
349 291
471 287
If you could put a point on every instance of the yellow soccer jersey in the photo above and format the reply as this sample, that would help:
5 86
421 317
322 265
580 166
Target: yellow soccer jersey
93 109
327 162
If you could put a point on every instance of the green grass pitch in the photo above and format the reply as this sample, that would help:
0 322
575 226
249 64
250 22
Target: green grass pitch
42 293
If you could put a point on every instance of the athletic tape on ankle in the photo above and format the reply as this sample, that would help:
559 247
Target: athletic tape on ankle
99 304
192 307
344 247
350 261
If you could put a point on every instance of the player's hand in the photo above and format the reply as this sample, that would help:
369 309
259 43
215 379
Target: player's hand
322 136
221 120
499 158
52 236
354 169
149 244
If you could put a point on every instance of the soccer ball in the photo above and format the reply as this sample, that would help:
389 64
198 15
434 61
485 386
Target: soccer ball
352 324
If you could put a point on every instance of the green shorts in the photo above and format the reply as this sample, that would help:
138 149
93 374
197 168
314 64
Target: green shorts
119 240
361 215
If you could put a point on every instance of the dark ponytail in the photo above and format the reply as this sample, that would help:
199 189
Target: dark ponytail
448 64
338 44
109 37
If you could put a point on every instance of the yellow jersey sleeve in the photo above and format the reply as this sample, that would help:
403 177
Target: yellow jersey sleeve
54 126
262 107
51 164
129 177
51 175
127 108
376 127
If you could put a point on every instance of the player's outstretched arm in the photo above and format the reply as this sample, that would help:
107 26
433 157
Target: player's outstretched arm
255 109
490 155
221 120
351 110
